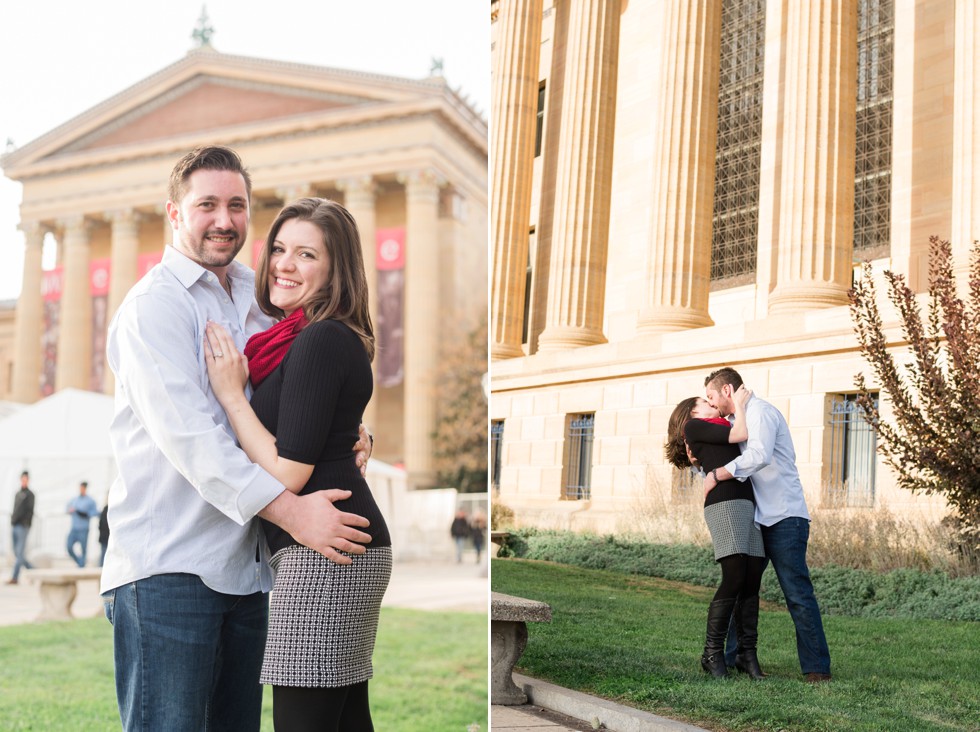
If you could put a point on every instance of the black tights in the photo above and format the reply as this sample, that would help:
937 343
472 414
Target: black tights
339 709
741 576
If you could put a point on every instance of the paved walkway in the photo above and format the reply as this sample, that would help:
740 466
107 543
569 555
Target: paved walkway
554 709
416 585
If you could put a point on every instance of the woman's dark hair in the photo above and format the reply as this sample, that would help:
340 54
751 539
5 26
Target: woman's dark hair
345 296
675 449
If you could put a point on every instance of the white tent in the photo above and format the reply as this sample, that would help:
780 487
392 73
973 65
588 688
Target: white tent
64 439
61 440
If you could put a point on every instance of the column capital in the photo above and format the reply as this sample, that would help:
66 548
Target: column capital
34 231
422 180
78 224
123 216
294 191
358 184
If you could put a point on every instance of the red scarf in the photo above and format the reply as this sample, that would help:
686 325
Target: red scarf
713 420
266 350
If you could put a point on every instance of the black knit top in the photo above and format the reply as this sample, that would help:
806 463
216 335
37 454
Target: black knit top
709 444
313 403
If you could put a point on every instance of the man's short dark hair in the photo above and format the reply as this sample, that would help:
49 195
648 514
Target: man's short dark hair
725 375
83 484
210 157
25 474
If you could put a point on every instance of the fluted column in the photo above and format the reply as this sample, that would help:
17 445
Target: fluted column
679 264
580 237
125 256
124 269
421 321
966 136
816 204
29 316
360 200
75 321
514 108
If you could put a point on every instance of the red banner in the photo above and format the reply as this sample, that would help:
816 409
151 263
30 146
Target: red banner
146 262
52 283
99 271
390 249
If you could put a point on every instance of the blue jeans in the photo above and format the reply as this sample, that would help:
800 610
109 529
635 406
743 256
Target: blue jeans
785 543
78 536
187 658
20 547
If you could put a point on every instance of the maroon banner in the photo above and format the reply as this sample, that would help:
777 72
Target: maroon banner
390 328
52 283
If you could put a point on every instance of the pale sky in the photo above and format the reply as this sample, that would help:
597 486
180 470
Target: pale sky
61 57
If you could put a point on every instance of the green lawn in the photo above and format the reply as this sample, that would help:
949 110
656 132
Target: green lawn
430 675
637 640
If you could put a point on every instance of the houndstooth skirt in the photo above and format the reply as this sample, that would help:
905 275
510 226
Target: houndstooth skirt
323 618
733 529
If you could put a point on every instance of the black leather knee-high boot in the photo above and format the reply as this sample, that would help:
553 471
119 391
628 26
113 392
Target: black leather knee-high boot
719 616
747 632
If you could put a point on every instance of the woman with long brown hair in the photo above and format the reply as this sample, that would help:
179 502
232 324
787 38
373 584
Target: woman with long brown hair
698 435
311 379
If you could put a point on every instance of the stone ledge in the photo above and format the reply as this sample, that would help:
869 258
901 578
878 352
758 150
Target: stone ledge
518 609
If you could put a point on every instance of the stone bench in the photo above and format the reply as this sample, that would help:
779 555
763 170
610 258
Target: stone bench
509 616
59 588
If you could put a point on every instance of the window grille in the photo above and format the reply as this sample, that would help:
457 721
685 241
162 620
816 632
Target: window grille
539 131
853 443
528 278
873 140
496 445
578 457
735 222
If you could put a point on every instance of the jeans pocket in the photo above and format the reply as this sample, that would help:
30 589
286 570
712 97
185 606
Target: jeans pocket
108 601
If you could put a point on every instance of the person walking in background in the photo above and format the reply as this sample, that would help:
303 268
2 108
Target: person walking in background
461 533
20 525
478 529
697 435
186 573
311 378
82 509
769 458
104 532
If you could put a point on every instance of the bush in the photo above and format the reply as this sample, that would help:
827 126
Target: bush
908 593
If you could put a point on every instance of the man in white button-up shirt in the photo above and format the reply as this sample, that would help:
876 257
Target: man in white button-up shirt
768 456
186 570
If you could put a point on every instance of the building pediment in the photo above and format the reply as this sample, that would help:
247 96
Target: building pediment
207 91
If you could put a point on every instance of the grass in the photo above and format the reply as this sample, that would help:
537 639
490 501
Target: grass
430 674
637 640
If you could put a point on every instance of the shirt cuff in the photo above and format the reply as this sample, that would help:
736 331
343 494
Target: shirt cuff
257 494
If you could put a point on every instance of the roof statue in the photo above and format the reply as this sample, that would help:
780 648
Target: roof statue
435 69
204 30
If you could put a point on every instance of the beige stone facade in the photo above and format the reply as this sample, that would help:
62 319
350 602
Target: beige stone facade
612 306
407 155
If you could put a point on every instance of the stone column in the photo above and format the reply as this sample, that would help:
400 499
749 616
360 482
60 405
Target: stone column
125 255
124 268
679 264
514 109
580 237
29 317
359 200
75 321
966 138
816 186
421 321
